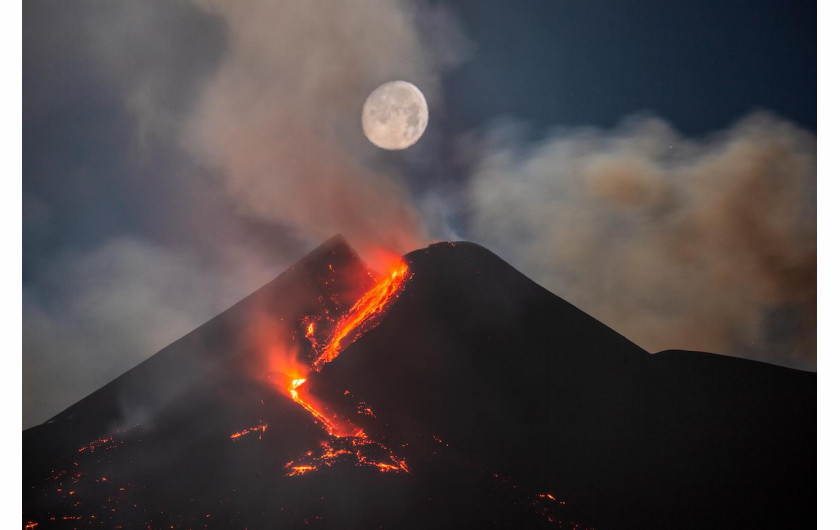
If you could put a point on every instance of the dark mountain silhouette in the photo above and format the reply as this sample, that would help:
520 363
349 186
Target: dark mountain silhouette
510 407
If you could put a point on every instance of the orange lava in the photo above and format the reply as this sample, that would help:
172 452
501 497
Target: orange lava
368 307
261 427
346 439
334 425
107 442
357 319
300 470
361 451
551 497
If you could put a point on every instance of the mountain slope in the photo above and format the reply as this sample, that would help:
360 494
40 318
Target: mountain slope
522 381
509 407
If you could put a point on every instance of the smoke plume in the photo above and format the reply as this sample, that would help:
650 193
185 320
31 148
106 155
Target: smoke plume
703 244
244 152
280 119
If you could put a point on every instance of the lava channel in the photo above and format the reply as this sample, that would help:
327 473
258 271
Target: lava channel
347 440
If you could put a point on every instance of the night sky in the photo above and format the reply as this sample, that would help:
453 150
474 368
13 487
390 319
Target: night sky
700 65
651 162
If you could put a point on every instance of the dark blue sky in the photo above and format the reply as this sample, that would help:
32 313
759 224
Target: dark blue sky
699 64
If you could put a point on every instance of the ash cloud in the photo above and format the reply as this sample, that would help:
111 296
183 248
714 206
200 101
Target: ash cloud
231 139
706 244
280 120
108 310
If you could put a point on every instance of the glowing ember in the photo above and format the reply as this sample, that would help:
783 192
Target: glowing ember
300 470
310 334
235 436
363 408
361 451
346 439
368 307
332 423
106 442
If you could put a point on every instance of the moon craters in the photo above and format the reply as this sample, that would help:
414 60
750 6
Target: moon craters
395 115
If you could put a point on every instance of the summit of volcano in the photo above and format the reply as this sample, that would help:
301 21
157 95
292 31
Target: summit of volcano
451 391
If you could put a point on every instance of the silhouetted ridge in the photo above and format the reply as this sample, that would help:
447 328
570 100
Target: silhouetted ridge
524 382
511 407
157 380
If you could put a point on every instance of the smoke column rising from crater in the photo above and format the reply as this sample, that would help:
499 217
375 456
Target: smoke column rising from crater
279 120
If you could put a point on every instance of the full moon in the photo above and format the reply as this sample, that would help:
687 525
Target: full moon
395 115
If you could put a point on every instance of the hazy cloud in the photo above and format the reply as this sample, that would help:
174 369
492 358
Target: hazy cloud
246 150
280 121
706 244
107 310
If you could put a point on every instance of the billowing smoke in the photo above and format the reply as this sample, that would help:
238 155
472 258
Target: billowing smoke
108 310
706 244
280 120
245 151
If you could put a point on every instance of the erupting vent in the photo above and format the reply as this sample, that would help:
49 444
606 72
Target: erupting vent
363 314
471 396
347 440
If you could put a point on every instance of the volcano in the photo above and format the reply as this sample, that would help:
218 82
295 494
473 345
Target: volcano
451 392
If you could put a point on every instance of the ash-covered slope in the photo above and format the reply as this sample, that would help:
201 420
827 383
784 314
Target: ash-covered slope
521 382
508 407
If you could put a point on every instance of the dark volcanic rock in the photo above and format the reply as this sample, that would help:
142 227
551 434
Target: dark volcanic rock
525 384
511 407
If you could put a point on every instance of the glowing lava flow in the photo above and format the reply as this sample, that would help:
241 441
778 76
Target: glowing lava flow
367 308
295 393
334 426
347 439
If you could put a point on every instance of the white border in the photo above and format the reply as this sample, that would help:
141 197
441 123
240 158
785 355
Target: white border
11 223
828 266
